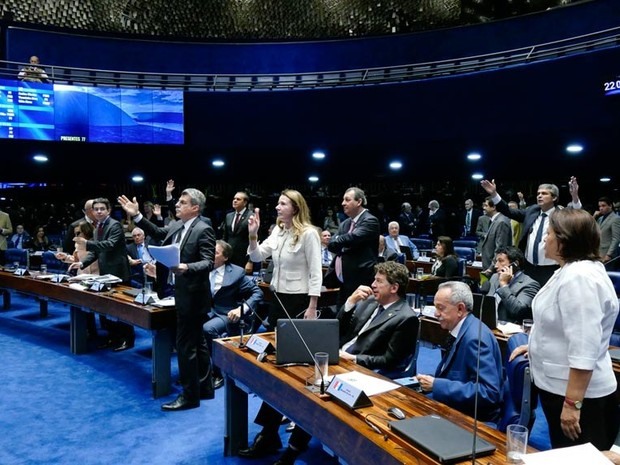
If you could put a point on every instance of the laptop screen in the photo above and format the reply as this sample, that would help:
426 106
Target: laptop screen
318 335
487 305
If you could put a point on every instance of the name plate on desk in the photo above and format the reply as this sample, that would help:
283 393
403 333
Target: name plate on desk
259 345
59 278
347 394
98 286
424 259
21 272
145 298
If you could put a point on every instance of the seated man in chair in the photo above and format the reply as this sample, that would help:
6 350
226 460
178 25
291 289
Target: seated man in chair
235 296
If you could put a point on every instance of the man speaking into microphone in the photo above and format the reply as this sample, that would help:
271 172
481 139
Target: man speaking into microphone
378 329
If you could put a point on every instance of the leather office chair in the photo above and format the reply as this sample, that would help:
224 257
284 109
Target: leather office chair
468 253
465 243
53 264
520 398
17 255
614 340
422 243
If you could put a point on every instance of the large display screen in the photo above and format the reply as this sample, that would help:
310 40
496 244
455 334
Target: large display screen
38 111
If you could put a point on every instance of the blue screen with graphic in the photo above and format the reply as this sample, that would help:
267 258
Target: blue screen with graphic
38 111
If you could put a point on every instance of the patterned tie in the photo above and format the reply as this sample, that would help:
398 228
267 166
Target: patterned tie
539 234
326 260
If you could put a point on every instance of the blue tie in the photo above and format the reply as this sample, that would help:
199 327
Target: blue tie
539 234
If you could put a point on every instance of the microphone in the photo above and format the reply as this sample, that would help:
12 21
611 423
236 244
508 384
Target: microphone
316 365
241 324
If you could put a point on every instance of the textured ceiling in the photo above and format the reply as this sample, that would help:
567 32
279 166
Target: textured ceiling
266 19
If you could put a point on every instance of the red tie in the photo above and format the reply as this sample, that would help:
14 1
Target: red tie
236 222
100 231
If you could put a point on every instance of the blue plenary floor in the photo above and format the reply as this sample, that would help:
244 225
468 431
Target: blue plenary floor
97 408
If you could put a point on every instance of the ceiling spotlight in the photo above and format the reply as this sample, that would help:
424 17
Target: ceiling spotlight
574 148
474 156
318 155
137 178
40 158
395 165
218 163
605 179
313 178
477 176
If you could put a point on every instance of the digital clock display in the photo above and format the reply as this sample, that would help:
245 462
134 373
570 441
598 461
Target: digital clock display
612 87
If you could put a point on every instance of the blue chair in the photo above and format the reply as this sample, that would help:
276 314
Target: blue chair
465 243
614 340
53 264
17 255
520 397
422 243
468 253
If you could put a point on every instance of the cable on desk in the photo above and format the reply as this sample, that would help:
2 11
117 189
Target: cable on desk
374 427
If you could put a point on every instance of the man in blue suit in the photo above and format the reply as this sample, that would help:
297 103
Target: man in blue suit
395 240
459 375
231 288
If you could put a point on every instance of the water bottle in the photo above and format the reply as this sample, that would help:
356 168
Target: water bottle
255 277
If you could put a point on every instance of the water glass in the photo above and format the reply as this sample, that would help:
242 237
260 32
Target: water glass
43 268
419 272
321 367
516 443
527 325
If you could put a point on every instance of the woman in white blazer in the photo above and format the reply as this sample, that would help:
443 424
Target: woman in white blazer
295 248
574 314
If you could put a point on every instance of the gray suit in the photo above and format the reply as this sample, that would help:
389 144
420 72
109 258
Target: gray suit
610 235
499 235
516 298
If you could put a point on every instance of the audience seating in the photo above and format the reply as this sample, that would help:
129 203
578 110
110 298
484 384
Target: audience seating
520 397
468 253
17 255
465 243
614 340
53 264
422 243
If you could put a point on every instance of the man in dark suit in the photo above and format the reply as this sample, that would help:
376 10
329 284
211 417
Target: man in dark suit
378 329
469 219
459 375
108 249
230 287
196 241
385 253
235 229
535 219
355 246
511 287
499 235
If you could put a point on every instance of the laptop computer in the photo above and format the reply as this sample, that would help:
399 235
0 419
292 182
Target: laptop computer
443 440
319 335
489 309
407 251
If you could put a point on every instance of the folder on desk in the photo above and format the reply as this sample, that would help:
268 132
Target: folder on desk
443 440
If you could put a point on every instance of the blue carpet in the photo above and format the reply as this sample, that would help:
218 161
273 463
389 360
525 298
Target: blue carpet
96 408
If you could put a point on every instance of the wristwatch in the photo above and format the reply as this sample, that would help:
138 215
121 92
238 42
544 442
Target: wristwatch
577 404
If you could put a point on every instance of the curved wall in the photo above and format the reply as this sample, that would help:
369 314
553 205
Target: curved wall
130 54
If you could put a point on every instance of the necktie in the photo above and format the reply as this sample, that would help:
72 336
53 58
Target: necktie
539 234
18 242
100 231
381 308
326 256
141 252
445 351
468 222
338 264
236 222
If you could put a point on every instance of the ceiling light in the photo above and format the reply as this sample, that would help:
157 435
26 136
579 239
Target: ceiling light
574 148
137 178
218 163
395 165
318 155
40 158
474 156
477 176
605 179
313 178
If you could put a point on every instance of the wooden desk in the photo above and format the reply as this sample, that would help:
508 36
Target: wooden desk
343 430
113 304
328 296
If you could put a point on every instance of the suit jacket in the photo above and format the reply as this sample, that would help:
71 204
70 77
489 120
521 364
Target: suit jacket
388 254
236 286
516 298
110 251
391 243
192 288
26 241
610 235
137 271
475 214
437 223
358 250
499 235
389 339
455 378
237 238
5 224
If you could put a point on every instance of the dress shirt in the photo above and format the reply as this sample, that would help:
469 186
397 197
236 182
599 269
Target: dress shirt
529 253
216 278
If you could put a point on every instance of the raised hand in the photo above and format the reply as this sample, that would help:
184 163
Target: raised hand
169 188
489 186
130 206
254 222
157 209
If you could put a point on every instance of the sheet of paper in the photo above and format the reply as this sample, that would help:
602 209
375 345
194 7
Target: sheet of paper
575 455
509 328
167 255
369 384
167 302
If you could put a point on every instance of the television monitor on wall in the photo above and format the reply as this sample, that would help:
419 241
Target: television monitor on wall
90 114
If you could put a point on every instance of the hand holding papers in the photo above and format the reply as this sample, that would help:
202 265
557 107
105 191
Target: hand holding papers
167 255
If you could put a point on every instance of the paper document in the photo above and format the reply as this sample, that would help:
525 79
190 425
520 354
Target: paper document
166 302
575 455
509 328
369 384
167 255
